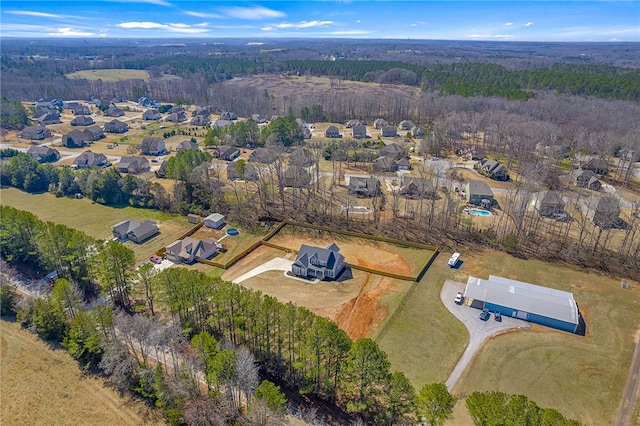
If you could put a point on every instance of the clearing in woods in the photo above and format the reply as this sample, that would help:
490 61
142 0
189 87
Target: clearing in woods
110 75
44 386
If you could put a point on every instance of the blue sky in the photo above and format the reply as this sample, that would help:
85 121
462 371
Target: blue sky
612 20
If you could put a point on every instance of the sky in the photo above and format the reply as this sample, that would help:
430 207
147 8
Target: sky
540 20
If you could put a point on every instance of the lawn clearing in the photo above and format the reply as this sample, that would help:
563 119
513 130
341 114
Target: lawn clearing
95 219
110 75
583 377
44 386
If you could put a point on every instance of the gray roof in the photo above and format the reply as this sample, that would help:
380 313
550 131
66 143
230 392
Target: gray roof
90 159
479 188
125 226
215 217
327 256
187 145
263 155
534 299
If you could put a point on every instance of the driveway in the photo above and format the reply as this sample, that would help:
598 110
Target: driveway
277 264
479 331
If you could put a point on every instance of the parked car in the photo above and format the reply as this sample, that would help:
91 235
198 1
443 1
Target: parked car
497 316
155 259
458 299
485 314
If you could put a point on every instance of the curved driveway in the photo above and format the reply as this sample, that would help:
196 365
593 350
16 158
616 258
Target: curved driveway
479 331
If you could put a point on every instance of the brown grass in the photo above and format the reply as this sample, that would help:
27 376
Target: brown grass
110 75
44 386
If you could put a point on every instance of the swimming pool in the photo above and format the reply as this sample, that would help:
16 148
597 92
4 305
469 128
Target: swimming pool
477 212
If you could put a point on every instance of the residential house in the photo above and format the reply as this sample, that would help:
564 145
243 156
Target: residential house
242 171
148 103
479 193
49 103
214 221
81 110
43 154
492 169
332 132
190 249
403 164
263 155
585 179
113 111
406 125
116 126
306 133
393 150
201 120
219 124
548 204
301 157
226 152
176 117
138 232
94 133
417 131
295 177
554 150
301 123
359 131
385 164
153 146
317 262
50 117
352 123
185 145
389 131
378 123
417 188
76 139
206 111
474 153
35 133
133 165
602 211
226 115
596 165
82 120
162 170
176 110
90 159
151 114
364 187
259 119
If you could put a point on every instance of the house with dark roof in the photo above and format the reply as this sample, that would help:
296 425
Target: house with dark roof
301 157
90 159
393 150
352 123
43 154
389 131
417 188
116 126
76 139
548 204
259 119
306 133
200 120
406 125
176 117
185 145
417 131
162 170
263 155
585 179
478 193
301 123
385 164
378 123
226 152
153 146
133 165
227 115
135 231
602 211
553 150
113 111
49 103
599 166
317 262
359 131
364 187
219 124
295 177
82 120
403 164
35 133
151 114
332 132
176 110
81 110
492 169
50 117
94 133
190 249
206 111
242 171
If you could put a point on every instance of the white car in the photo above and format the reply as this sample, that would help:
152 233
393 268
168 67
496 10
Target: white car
458 299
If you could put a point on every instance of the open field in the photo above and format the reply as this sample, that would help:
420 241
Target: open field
110 75
377 255
95 219
44 386
583 377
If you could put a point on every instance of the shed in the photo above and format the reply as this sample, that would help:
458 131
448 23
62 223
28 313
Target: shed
194 218
541 305
214 220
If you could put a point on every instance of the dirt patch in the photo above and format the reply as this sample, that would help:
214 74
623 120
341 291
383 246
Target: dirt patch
394 263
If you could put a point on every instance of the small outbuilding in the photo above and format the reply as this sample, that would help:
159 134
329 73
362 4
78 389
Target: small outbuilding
214 221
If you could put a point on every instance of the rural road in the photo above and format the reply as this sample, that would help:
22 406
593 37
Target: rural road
479 331
625 412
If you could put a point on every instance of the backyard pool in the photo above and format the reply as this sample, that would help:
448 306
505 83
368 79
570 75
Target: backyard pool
232 232
477 212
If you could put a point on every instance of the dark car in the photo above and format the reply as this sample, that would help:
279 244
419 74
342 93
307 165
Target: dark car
484 315
497 316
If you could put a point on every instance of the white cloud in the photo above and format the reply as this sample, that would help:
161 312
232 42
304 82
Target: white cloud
37 14
176 28
508 24
528 24
358 21
202 15
70 32
492 36
253 13
415 24
303 24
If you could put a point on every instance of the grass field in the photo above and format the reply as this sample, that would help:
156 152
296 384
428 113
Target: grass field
110 75
95 219
44 386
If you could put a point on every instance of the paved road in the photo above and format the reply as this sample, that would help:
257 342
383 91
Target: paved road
479 331
625 412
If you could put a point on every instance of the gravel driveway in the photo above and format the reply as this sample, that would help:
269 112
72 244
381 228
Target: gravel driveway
479 331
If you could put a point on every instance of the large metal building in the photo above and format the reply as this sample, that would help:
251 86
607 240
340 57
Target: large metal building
541 305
